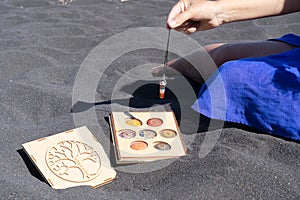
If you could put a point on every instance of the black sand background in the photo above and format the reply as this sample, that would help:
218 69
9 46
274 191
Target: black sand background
42 45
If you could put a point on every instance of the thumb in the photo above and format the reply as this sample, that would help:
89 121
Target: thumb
179 19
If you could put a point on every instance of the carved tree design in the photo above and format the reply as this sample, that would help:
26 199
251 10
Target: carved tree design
73 161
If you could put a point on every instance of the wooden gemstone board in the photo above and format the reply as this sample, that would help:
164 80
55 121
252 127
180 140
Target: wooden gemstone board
71 158
146 136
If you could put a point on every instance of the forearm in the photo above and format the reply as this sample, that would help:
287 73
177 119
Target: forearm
236 10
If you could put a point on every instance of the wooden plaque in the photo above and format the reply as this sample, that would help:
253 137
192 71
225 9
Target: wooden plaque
71 158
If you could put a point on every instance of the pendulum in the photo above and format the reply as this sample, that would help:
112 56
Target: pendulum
163 81
162 87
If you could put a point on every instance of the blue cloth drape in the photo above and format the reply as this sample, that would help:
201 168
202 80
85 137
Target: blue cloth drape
259 92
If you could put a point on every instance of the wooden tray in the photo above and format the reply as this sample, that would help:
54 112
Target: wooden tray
146 136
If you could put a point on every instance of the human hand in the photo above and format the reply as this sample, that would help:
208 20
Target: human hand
189 16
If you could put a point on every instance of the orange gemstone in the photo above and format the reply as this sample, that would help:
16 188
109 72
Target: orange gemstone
161 95
138 145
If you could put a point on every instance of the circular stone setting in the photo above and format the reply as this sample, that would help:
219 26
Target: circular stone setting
147 133
133 122
162 146
138 145
154 122
127 133
168 133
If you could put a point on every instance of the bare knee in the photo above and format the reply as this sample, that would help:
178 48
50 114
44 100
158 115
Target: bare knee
221 52
218 53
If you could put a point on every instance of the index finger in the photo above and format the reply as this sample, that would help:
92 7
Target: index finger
180 7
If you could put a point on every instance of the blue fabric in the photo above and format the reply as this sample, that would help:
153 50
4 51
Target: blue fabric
290 39
259 92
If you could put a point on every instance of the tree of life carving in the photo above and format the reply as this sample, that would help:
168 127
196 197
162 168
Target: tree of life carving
73 161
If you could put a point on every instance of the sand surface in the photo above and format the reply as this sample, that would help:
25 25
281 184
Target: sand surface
43 46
